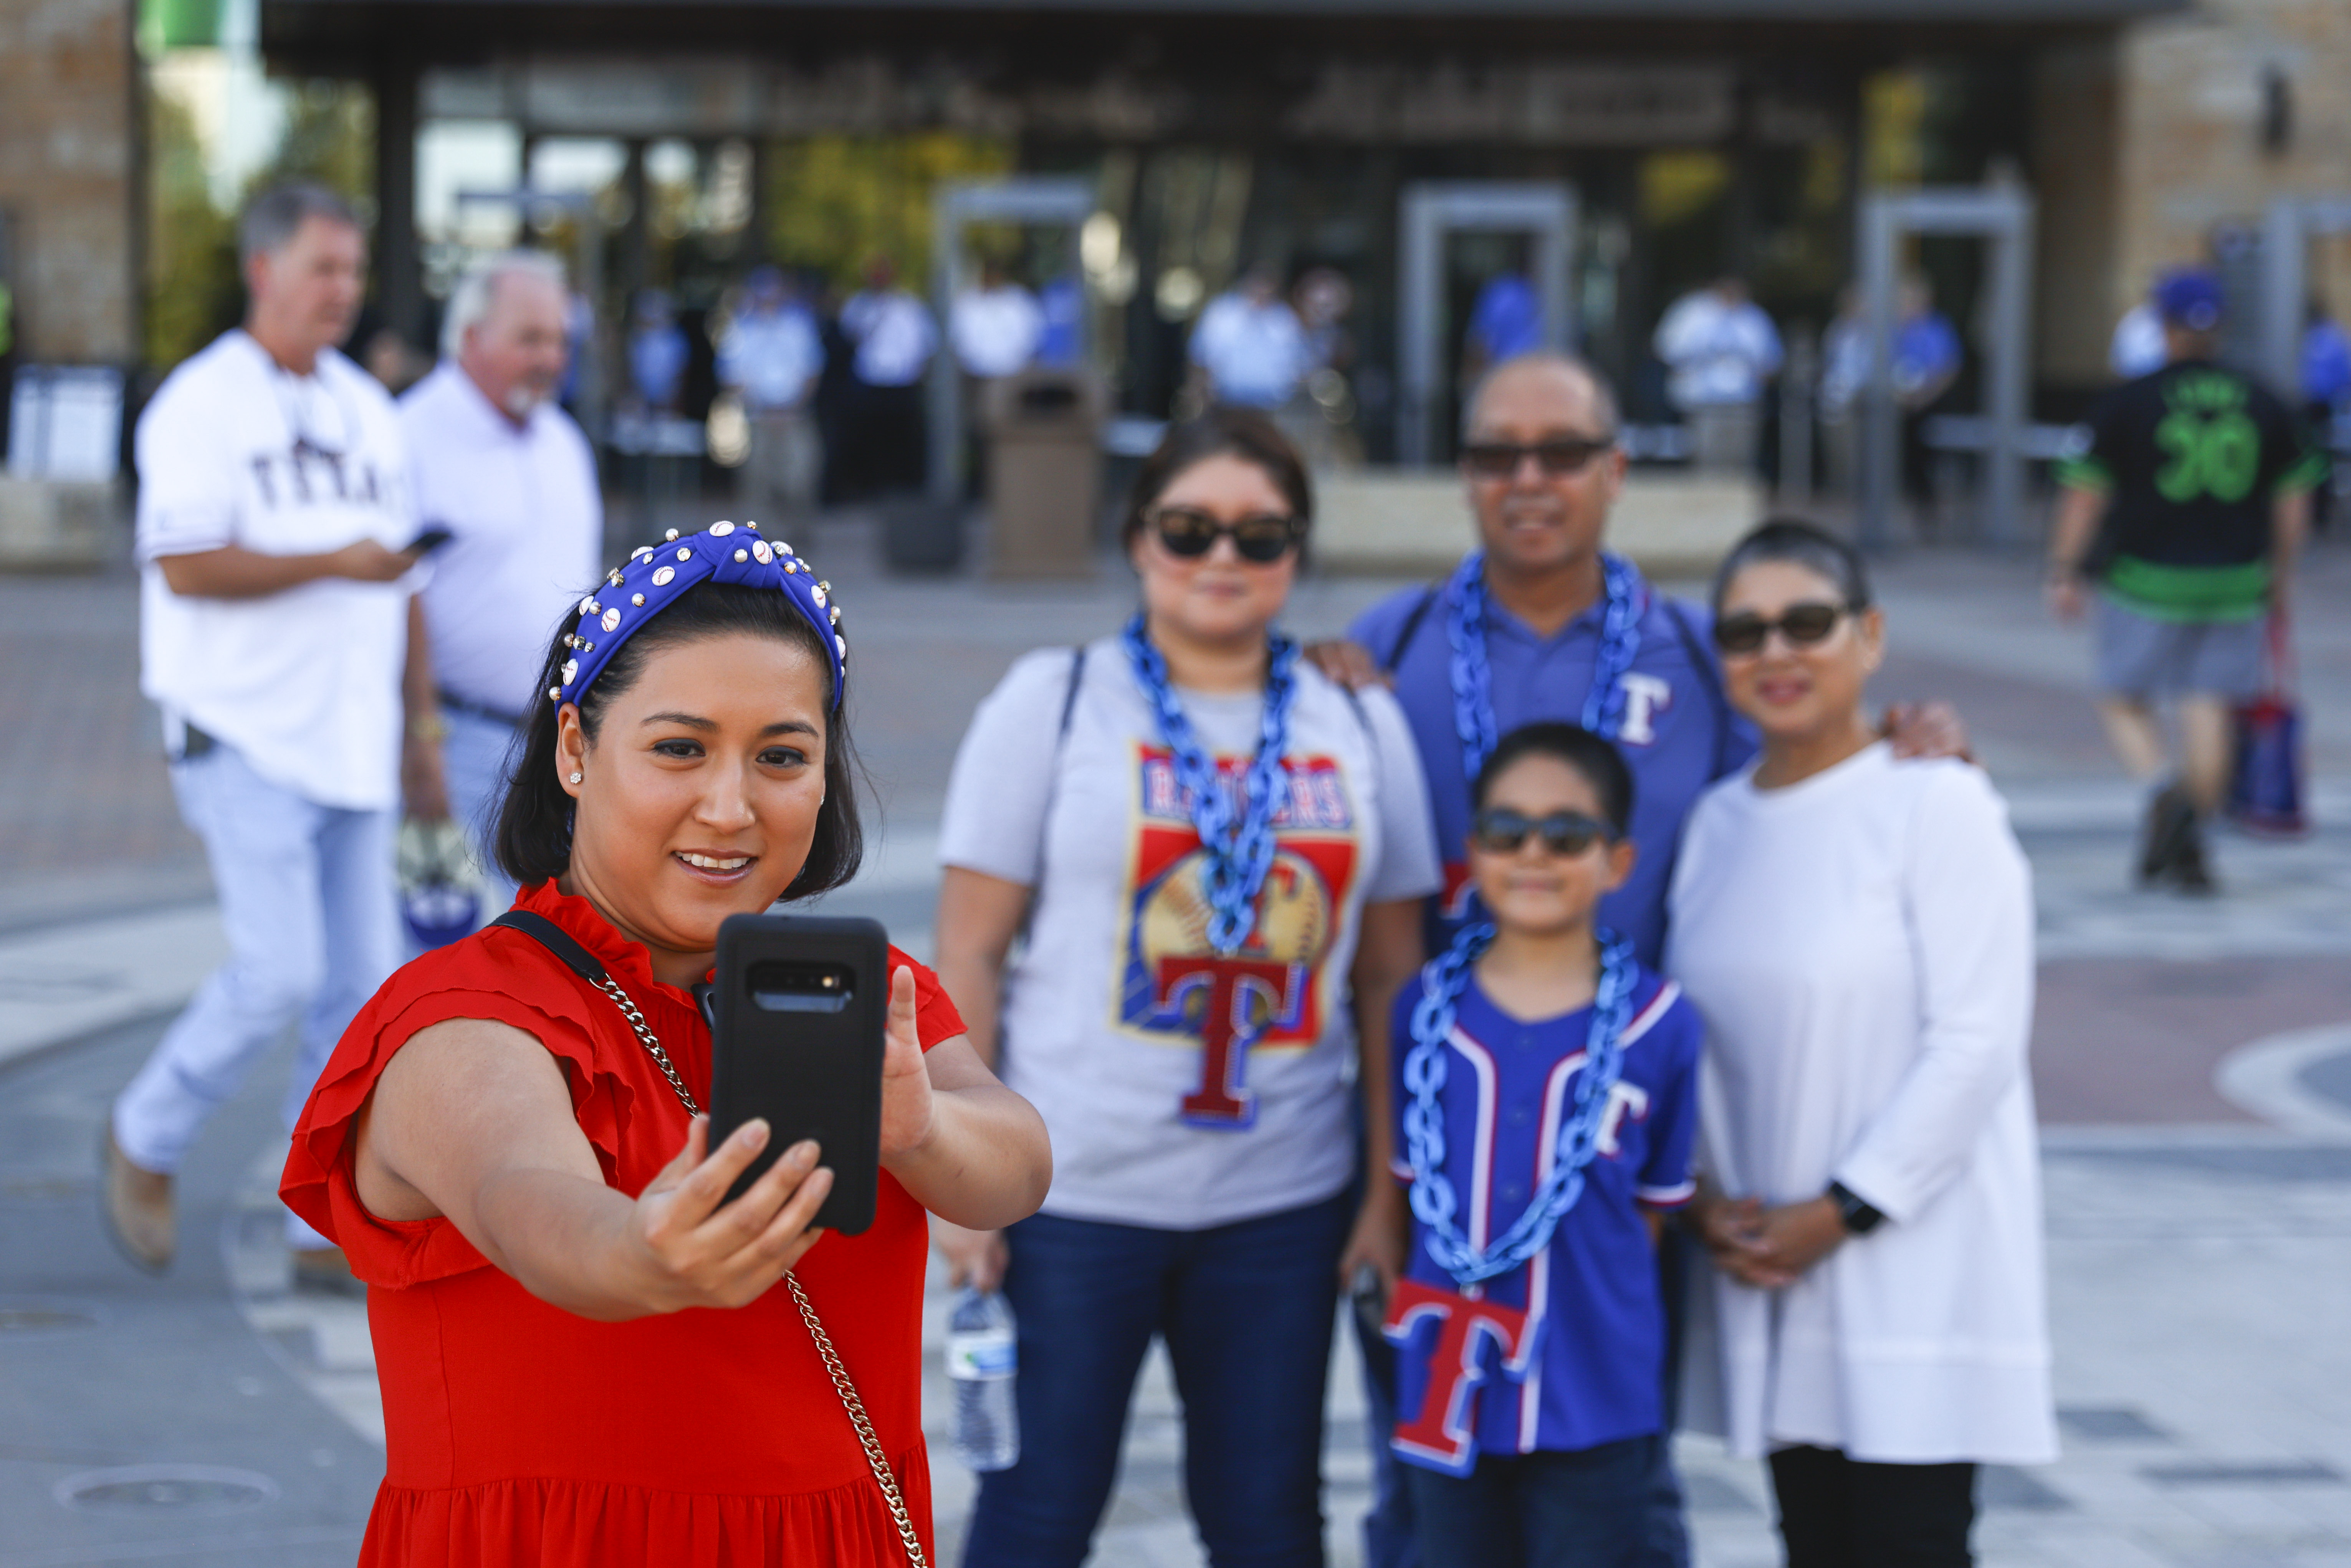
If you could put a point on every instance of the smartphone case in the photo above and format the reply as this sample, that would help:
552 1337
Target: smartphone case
787 1044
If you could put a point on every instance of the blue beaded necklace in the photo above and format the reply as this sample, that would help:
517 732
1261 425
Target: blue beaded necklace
1433 1203
1473 680
1240 845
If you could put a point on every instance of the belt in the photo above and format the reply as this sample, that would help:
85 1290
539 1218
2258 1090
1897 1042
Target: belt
472 709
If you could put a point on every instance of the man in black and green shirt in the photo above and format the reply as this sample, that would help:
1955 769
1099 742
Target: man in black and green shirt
2186 510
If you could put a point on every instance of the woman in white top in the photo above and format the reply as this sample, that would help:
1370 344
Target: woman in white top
1216 855
1859 939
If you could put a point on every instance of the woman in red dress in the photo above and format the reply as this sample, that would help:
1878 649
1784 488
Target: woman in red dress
584 1354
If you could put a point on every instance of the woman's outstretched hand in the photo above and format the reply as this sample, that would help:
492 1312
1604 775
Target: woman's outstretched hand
685 1246
909 1112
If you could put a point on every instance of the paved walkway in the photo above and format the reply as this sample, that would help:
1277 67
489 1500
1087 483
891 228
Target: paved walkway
2193 1063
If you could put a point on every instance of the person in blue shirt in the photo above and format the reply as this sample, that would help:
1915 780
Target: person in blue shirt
1522 632
1546 1094
1506 321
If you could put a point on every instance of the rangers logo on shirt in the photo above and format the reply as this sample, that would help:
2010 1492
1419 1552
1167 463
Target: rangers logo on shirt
1174 989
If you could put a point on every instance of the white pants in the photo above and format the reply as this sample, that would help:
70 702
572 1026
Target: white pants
307 896
473 760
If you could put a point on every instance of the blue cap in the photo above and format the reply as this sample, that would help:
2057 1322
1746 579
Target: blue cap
2188 296
654 576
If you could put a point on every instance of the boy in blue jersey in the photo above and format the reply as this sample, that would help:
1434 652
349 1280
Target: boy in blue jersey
1547 1102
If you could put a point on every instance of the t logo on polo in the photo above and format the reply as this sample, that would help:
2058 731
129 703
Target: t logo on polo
1272 995
1440 1431
1645 696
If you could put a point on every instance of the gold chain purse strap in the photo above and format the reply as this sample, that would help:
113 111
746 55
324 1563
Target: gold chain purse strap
583 963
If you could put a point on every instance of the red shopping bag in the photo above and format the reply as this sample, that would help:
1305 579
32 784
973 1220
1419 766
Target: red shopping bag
2265 792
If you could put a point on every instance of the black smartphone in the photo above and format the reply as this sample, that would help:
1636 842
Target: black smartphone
425 543
800 1006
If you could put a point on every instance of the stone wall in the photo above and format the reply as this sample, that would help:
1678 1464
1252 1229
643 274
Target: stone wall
2190 117
68 165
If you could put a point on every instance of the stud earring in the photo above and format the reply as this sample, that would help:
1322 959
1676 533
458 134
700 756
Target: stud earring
575 779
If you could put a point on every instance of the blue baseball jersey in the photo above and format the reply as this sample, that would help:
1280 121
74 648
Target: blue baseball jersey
1678 734
1567 1352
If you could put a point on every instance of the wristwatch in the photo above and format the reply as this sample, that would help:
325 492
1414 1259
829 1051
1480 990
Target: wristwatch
1856 1213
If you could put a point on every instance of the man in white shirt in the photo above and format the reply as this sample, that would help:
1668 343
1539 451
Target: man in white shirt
1720 348
893 337
494 461
770 358
276 602
996 327
1250 345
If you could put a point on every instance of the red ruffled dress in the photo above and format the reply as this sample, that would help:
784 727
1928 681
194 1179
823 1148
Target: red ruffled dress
518 1433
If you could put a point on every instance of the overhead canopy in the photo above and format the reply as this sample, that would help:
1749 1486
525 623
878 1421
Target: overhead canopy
357 34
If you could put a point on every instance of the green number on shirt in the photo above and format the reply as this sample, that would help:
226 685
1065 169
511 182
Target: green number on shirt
2219 457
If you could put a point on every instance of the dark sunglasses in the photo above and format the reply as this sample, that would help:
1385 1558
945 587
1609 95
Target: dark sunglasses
1500 831
1557 458
1801 625
1261 537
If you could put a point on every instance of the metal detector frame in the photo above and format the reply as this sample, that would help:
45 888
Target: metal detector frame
2293 222
1037 200
2002 215
1432 210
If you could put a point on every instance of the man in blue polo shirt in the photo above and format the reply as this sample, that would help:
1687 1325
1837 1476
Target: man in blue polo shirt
1543 465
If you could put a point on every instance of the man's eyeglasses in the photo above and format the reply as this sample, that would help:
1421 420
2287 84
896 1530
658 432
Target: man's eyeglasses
1801 625
1558 457
1261 537
1499 830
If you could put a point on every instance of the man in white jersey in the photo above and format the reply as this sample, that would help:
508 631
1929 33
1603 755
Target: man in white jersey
276 602
495 462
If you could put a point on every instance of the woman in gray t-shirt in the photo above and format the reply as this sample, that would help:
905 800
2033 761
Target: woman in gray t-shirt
1217 857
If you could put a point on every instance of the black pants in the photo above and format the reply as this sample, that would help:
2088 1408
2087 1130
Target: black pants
1837 1512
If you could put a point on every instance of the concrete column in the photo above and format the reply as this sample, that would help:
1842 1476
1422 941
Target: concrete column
399 282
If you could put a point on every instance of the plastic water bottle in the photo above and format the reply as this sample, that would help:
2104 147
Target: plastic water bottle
983 1355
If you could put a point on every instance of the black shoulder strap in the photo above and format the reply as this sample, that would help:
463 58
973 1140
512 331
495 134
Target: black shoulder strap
1070 697
1703 664
1411 627
555 940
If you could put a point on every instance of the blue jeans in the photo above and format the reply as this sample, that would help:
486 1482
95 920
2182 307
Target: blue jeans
1246 1312
1588 1509
474 758
305 894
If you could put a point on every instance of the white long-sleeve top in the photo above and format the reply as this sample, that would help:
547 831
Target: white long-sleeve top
1861 947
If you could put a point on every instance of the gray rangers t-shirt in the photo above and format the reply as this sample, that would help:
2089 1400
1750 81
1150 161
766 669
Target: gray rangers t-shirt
1120 1023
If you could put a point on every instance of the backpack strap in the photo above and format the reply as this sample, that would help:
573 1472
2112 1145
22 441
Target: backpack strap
1410 629
1070 696
1709 675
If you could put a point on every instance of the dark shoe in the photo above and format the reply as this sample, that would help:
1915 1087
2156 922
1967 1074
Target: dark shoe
327 1271
2171 825
2186 870
141 1218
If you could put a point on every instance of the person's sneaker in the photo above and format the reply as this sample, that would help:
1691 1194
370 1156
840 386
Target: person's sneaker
2170 825
141 1217
326 1270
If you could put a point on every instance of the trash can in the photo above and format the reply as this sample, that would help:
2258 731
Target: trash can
1044 472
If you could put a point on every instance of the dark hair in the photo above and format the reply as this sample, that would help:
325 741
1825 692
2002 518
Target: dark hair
534 832
272 217
1807 545
1222 431
1602 765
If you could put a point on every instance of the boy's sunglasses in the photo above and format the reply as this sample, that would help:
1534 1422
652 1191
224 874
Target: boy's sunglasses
1261 537
1557 458
1500 831
1801 625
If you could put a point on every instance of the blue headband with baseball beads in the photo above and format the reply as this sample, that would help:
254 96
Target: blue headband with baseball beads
655 576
